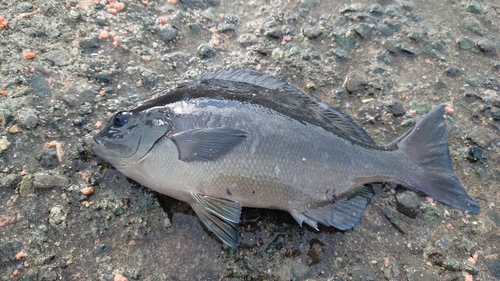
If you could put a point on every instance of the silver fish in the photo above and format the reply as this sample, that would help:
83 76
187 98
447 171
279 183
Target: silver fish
237 138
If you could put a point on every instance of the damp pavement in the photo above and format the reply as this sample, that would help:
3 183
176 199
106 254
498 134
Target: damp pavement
65 66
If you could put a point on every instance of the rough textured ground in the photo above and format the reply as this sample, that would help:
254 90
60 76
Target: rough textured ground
66 66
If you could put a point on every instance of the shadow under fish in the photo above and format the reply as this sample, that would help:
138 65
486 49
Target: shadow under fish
236 138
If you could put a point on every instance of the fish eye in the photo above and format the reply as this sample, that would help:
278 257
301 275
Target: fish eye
121 118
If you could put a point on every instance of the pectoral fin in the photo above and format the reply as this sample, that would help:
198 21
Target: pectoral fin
342 214
207 144
219 215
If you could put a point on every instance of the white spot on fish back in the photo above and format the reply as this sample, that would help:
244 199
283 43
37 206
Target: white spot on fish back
159 122
276 170
182 107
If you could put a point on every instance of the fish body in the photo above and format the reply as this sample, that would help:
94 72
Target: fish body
237 138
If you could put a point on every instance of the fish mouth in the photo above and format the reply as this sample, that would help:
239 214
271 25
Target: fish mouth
99 149
97 146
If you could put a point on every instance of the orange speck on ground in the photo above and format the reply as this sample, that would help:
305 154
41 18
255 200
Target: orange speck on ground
15 272
3 23
475 256
98 125
449 110
119 277
162 20
119 6
58 147
29 55
468 276
27 15
286 38
87 190
4 92
103 34
114 7
172 2
21 255
139 83
102 93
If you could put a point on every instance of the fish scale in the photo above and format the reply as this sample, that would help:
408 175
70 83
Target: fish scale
238 138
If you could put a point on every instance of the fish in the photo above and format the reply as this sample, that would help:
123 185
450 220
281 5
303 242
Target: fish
241 138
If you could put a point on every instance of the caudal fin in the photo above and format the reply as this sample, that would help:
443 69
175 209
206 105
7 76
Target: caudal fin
426 145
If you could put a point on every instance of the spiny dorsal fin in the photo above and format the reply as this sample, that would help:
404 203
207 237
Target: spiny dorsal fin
292 102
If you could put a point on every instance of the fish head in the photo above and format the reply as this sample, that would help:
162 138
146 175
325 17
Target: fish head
130 135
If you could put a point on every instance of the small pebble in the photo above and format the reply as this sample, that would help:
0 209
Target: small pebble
21 255
103 35
14 129
29 55
87 191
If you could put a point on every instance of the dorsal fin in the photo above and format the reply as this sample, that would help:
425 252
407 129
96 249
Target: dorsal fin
250 77
309 109
250 86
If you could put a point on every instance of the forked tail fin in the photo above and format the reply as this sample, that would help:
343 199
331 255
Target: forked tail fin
426 145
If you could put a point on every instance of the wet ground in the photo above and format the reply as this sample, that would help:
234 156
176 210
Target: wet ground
66 66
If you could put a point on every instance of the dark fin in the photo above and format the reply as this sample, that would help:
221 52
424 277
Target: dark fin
250 86
426 145
297 104
342 214
249 76
207 144
220 216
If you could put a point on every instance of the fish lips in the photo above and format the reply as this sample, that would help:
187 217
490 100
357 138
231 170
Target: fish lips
99 149
97 146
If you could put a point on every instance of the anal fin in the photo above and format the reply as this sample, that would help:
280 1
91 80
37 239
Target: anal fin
342 214
221 216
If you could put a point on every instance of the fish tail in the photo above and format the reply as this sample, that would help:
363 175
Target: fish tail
426 145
